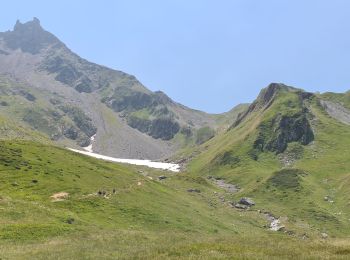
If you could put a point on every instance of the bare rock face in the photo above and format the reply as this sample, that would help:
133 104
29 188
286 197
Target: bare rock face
285 129
247 201
337 111
29 37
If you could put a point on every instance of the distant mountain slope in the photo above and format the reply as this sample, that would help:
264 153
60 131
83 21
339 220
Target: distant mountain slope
128 119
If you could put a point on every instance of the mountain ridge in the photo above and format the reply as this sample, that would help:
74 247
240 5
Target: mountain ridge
144 121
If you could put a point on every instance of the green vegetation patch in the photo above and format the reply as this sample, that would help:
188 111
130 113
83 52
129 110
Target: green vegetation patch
11 157
40 119
19 232
204 134
227 158
286 178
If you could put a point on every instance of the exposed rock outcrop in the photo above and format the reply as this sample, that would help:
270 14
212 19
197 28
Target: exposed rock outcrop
29 37
275 135
246 201
336 111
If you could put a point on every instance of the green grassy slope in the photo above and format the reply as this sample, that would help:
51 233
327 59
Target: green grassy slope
312 195
142 218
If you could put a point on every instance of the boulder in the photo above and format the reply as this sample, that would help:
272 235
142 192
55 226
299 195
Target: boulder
240 206
324 235
194 190
162 177
247 201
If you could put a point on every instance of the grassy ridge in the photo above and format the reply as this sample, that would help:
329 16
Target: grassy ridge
312 202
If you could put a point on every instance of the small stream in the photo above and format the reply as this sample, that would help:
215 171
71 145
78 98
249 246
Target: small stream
275 223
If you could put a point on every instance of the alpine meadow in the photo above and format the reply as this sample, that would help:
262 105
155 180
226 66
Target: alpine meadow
95 165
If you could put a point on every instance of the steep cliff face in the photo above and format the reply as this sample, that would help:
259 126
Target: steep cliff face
29 37
274 135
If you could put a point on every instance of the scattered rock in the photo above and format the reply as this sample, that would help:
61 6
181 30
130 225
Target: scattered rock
324 235
328 198
247 201
304 236
226 186
194 190
60 196
240 206
102 193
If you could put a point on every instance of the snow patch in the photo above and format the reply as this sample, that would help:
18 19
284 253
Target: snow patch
157 165
89 147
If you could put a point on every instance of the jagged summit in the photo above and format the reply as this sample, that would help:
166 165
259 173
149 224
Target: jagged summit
268 94
29 37
35 23
264 100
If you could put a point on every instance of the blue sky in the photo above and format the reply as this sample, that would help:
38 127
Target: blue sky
209 55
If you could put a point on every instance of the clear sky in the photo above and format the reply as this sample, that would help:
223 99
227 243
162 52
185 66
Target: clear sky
209 55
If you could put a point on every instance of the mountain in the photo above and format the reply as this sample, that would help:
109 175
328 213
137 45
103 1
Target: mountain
53 90
289 152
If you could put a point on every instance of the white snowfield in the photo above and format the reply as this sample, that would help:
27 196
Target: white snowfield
158 165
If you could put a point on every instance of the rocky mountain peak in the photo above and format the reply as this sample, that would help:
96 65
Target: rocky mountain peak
269 92
29 37
31 25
